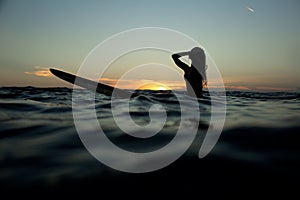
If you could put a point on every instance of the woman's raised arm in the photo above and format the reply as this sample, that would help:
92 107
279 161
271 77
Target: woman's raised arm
178 62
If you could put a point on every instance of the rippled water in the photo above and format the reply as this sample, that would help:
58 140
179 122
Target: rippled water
40 147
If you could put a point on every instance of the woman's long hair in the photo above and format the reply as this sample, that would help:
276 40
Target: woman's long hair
199 62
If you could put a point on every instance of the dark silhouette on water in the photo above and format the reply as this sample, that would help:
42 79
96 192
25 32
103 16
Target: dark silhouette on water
92 85
194 75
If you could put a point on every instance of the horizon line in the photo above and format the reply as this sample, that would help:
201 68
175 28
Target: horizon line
227 88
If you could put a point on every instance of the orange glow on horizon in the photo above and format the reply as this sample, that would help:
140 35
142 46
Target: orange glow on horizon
154 86
244 83
180 85
144 84
40 71
257 83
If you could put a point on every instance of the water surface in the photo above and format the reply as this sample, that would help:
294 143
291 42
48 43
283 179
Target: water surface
40 147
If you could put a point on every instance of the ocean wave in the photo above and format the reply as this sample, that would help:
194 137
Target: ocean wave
39 145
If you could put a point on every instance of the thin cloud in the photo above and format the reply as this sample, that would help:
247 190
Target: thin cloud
241 87
247 83
40 71
258 88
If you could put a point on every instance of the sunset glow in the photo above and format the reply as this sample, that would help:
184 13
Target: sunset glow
144 84
154 86
40 71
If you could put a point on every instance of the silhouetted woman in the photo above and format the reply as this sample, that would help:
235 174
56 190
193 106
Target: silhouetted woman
194 75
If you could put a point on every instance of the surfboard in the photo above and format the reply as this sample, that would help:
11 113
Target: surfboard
91 85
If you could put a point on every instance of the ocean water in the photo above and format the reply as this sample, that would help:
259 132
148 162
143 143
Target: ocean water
258 150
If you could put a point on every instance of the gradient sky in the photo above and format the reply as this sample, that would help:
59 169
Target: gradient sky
255 44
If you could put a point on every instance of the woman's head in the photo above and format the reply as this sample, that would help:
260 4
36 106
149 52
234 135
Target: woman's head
197 55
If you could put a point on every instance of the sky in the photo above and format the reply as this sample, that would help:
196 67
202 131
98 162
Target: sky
255 44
